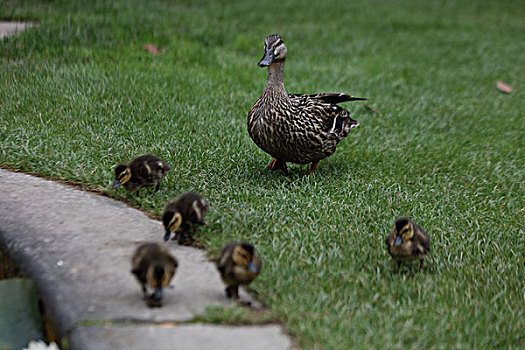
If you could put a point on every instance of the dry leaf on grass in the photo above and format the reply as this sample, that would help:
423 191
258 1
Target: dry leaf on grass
152 49
371 108
503 87
167 324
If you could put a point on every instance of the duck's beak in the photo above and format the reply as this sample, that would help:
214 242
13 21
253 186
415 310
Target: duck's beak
157 295
167 235
116 184
267 59
398 241
252 268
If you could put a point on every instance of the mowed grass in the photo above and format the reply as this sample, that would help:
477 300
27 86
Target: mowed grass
447 149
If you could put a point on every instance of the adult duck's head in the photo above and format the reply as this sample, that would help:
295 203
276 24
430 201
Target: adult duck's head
274 50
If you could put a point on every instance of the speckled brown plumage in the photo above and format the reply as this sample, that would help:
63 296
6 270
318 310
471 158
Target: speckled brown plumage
292 127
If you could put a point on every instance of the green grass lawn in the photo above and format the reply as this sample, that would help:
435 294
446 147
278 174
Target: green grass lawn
80 95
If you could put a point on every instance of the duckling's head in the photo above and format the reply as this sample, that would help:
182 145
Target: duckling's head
404 231
158 276
274 50
243 255
172 221
122 175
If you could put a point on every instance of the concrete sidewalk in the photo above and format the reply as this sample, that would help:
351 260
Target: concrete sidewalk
77 247
8 28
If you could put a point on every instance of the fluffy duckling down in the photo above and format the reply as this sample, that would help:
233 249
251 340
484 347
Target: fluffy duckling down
238 264
143 171
153 266
408 241
182 214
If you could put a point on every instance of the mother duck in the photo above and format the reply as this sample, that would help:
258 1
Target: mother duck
295 128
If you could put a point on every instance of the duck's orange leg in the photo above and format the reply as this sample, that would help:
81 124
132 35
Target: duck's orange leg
312 168
277 165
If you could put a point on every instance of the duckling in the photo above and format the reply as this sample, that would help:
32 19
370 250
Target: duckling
183 212
146 170
295 128
238 264
408 241
154 266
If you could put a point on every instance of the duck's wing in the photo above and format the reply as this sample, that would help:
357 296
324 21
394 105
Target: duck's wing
324 115
315 106
426 242
423 238
332 98
224 258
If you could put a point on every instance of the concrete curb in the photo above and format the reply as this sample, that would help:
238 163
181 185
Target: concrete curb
8 28
77 247
191 336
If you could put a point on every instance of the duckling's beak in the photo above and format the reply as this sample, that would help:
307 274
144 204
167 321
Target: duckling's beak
157 295
252 268
398 241
267 59
167 235
116 184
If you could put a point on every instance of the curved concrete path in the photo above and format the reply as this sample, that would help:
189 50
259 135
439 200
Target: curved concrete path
8 28
77 247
